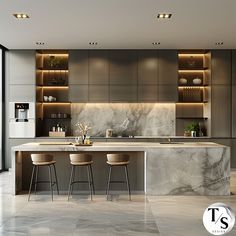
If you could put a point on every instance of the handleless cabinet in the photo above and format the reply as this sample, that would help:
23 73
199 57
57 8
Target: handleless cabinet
22 69
123 67
78 67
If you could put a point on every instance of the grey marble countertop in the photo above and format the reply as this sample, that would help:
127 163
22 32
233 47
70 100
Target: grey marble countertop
113 146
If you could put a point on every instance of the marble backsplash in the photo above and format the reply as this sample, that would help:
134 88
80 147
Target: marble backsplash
137 119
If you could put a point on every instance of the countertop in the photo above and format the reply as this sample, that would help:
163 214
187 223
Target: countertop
114 146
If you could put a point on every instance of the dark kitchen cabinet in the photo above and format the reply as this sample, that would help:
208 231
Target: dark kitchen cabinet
221 111
123 67
147 67
78 67
167 93
147 93
168 67
221 67
98 93
78 93
98 67
123 93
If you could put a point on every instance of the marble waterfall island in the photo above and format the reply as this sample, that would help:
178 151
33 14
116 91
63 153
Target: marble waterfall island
168 169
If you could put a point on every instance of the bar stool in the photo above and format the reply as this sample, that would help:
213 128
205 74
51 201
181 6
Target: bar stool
81 160
114 160
41 160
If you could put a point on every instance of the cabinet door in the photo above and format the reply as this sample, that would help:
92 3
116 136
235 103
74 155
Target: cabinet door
221 111
123 93
78 93
167 93
147 67
123 67
22 66
22 93
98 67
78 67
234 67
221 67
98 93
233 111
168 67
147 93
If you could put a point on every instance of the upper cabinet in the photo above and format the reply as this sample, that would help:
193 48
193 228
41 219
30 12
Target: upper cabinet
123 67
98 67
123 75
147 67
221 67
168 67
22 70
78 67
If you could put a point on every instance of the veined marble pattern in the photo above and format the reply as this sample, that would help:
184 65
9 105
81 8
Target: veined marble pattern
152 215
126 119
188 171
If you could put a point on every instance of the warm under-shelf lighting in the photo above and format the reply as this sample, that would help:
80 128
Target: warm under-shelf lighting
191 71
56 55
191 55
54 87
54 71
56 103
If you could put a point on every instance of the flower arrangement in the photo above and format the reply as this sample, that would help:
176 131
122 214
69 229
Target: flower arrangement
83 128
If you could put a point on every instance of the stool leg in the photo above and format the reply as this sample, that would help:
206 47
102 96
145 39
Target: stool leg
36 180
90 183
108 182
91 172
55 172
50 177
31 181
70 183
127 181
73 178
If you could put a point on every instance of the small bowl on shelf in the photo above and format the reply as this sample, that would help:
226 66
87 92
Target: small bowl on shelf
183 81
197 81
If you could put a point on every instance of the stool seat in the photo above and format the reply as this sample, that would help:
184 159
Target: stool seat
81 163
113 163
46 163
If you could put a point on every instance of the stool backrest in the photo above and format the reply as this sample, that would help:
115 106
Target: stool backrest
118 157
41 157
80 157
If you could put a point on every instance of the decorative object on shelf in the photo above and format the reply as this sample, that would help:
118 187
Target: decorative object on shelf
183 81
197 81
193 128
83 129
45 98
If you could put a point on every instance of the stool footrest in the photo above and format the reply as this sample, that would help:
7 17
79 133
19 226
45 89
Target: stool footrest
118 182
81 181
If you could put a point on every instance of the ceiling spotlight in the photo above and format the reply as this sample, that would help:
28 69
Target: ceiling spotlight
39 43
164 15
21 15
93 43
219 43
156 43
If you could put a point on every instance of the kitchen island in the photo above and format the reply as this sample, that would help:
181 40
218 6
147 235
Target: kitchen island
201 168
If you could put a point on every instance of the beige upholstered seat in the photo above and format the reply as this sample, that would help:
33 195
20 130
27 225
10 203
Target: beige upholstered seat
80 159
117 159
42 159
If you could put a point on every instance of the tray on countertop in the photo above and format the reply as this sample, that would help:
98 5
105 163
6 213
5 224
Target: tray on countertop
81 144
55 143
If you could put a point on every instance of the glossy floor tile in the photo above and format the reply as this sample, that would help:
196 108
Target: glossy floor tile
152 215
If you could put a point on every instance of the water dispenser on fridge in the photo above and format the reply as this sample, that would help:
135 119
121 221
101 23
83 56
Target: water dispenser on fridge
22 120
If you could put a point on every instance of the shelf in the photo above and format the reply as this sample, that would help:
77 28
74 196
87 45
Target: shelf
192 86
202 102
53 86
55 103
183 117
191 71
53 70
48 118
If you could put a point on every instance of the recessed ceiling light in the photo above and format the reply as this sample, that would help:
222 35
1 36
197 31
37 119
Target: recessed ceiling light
156 43
39 43
93 43
21 15
164 15
219 43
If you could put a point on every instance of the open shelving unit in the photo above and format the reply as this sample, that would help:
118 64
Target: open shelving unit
52 91
194 77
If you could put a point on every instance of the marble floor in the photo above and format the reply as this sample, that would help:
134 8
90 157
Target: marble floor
165 216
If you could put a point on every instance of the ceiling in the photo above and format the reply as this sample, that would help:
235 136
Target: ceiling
116 24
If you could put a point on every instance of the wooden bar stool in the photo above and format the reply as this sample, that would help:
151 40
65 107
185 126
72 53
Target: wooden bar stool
41 160
114 160
81 160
